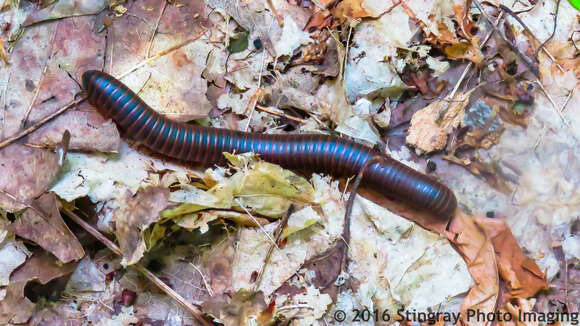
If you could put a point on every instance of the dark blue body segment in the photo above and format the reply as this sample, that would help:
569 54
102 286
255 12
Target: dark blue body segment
320 153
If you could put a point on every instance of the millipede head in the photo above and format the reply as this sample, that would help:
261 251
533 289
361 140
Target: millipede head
87 76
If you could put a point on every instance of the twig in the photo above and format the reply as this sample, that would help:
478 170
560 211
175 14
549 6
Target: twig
527 61
256 97
568 98
112 48
33 101
35 209
451 95
279 231
553 103
573 40
553 31
4 107
519 20
205 283
276 13
42 74
161 54
346 51
40 123
164 5
258 223
149 275
279 114
560 112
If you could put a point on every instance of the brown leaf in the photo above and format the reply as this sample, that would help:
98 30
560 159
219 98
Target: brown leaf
351 10
477 250
134 216
523 276
425 133
15 308
62 9
25 174
43 224
43 267
89 131
465 50
431 125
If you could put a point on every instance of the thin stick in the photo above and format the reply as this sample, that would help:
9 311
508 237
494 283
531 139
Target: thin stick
161 54
553 30
152 277
33 207
276 13
164 5
256 97
258 223
563 108
553 103
35 96
279 114
527 61
40 123
346 51
279 231
205 282
4 107
519 20
42 74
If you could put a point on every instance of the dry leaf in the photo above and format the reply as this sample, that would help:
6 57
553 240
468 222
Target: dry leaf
42 267
43 224
26 173
63 9
351 10
524 278
431 125
479 254
134 216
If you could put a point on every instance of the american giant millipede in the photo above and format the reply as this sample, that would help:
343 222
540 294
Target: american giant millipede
321 153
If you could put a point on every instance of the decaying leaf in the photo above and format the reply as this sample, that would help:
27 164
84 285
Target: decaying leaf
367 71
478 251
43 224
262 187
42 267
66 8
300 220
12 255
524 278
25 174
351 10
431 125
134 216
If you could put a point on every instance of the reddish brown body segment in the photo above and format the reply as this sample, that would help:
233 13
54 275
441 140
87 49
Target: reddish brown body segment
321 153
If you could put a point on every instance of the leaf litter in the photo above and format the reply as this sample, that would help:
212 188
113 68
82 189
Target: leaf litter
251 242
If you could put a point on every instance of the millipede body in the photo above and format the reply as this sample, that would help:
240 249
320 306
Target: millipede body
321 153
